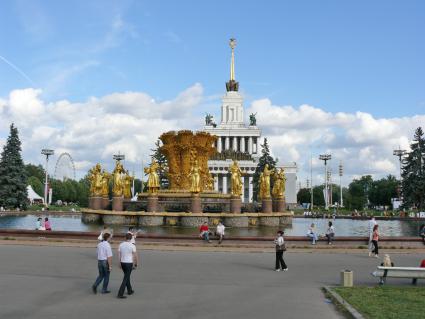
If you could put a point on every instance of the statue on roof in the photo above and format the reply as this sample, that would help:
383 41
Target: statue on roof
252 119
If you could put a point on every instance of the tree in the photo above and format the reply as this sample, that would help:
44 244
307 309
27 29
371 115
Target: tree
36 185
413 173
265 158
358 192
383 190
304 196
160 158
36 171
13 178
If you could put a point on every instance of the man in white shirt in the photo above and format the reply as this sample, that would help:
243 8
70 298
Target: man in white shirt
372 223
104 264
128 259
220 231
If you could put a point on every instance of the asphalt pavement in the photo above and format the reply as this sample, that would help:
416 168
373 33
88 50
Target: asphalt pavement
55 282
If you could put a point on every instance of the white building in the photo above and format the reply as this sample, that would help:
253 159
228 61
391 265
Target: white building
237 140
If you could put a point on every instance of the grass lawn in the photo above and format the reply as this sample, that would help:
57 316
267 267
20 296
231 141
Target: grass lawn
386 302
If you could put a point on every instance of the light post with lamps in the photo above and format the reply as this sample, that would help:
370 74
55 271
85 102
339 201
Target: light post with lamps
326 158
399 153
341 170
47 153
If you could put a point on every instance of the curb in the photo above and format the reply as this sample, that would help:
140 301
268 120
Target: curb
337 299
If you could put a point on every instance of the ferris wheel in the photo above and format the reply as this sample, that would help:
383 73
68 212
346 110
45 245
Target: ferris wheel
65 168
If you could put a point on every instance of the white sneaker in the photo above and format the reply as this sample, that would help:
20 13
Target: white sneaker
285 269
277 269
376 256
370 253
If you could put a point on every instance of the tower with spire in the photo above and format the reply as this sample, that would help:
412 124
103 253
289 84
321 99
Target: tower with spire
239 141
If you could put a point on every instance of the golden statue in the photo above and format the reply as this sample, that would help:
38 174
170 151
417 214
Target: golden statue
118 187
279 184
195 178
128 180
265 183
153 178
95 177
236 173
105 183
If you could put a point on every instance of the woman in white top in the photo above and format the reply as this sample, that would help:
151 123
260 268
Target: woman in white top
312 233
280 248
220 232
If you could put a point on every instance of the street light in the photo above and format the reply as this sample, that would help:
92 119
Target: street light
326 158
341 171
47 153
399 153
119 157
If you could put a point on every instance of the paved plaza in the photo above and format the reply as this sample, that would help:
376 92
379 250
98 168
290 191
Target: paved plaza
54 282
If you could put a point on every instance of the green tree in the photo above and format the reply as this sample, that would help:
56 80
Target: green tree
304 196
160 158
383 190
265 158
413 173
358 192
13 178
36 185
36 171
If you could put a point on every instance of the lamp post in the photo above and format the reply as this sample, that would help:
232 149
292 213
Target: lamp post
326 158
47 153
341 171
399 153
119 157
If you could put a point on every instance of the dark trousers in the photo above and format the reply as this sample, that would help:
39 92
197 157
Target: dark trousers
279 260
126 268
103 267
330 236
375 247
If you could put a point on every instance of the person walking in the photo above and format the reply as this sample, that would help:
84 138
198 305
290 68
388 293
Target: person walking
220 232
104 264
133 234
375 239
312 234
280 248
330 233
372 223
128 261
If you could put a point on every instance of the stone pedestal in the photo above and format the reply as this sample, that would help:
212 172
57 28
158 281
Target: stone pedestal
152 204
267 206
235 205
118 203
195 204
279 205
105 203
91 202
97 203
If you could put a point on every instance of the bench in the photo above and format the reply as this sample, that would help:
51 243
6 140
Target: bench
414 273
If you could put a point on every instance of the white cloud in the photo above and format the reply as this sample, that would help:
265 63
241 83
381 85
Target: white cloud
130 122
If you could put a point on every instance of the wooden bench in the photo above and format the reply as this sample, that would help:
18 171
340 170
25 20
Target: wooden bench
414 273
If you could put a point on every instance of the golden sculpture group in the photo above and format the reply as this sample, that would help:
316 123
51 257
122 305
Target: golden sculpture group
278 190
187 154
99 181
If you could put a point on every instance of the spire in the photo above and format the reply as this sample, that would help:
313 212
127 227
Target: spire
232 85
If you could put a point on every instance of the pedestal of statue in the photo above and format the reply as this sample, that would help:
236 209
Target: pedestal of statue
91 202
105 203
118 203
96 202
267 206
196 207
235 205
152 203
279 205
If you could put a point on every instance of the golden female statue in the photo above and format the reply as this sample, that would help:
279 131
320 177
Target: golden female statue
279 184
105 183
195 178
236 173
127 185
118 187
153 179
265 183
95 177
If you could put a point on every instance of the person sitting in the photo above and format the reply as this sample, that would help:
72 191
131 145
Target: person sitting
204 232
220 232
312 234
330 233
47 224
387 261
38 224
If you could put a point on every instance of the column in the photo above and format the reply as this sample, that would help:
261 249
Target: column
226 143
250 190
242 144
219 144
243 189
250 145
216 182
224 184
235 143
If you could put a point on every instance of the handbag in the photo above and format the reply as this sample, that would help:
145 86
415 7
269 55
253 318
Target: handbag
281 248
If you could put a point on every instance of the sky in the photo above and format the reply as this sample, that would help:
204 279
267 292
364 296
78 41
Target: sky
96 77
